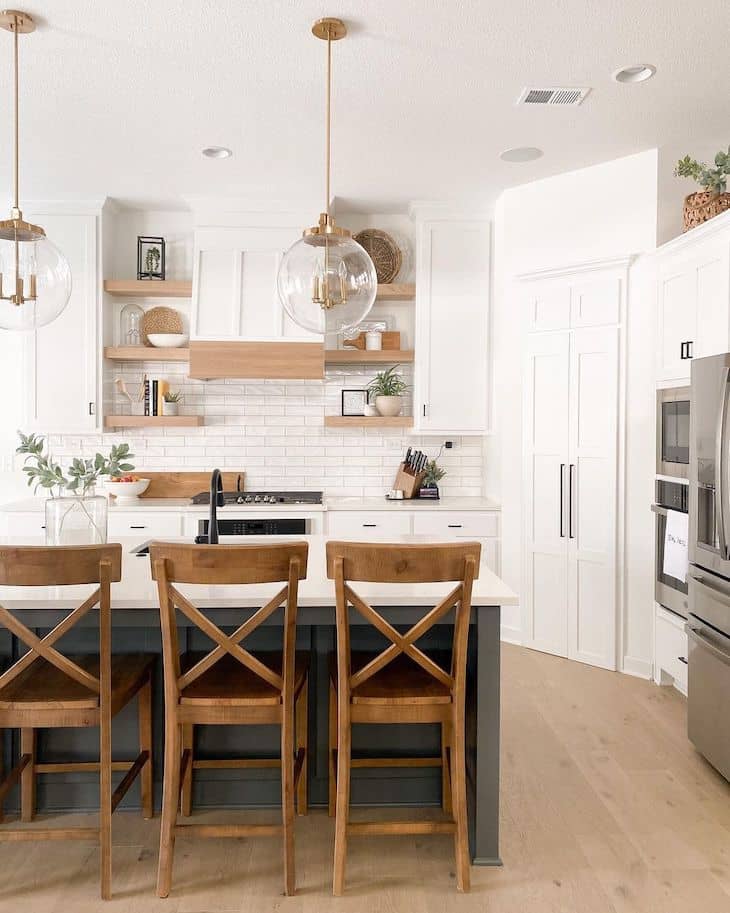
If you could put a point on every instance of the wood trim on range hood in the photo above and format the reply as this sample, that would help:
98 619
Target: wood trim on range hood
259 360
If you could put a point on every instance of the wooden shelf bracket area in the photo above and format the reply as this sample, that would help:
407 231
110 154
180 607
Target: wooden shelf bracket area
396 291
145 353
152 421
363 356
366 421
149 288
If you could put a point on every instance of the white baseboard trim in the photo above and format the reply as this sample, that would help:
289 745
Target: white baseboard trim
640 668
511 635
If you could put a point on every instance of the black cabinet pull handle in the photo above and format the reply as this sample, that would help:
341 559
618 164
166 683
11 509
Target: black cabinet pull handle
683 659
370 524
571 535
454 525
562 499
138 527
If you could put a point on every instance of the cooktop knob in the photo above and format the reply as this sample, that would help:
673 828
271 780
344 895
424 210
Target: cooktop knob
239 500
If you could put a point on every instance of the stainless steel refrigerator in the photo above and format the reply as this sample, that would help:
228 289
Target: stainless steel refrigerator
708 624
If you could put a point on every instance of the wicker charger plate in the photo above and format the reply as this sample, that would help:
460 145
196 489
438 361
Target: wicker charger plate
160 320
384 252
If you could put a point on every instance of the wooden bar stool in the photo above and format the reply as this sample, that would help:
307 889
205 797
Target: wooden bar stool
46 688
230 685
401 684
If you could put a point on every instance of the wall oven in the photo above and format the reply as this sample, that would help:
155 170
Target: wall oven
673 433
668 591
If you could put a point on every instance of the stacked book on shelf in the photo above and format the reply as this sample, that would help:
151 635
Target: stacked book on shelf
154 395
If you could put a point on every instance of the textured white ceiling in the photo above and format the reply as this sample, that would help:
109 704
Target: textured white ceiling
118 98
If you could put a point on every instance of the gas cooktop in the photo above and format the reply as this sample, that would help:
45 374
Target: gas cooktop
258 498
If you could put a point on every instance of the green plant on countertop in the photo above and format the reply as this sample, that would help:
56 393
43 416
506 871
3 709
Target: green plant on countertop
82 475
434 474
712 179
172 396
388 383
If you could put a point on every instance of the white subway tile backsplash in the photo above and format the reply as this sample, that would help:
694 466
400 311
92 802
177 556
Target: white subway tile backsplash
275 431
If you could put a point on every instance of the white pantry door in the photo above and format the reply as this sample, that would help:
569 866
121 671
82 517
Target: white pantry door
546 436
594 372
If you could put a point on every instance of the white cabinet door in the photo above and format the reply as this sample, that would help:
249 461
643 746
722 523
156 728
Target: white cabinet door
712 276
677 321
546 436
61 359
548 307
596 302
592 507
456 525
234 284
452 327
142 524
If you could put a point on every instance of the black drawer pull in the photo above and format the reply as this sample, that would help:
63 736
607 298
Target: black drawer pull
683 659
454 525
370 524
138 527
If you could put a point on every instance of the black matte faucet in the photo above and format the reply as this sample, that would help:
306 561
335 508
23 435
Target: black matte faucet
216 500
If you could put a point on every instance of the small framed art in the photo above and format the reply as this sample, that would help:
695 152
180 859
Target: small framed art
354 402
150 258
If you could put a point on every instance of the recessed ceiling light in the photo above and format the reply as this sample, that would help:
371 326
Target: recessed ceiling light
217 152
521 154
638 73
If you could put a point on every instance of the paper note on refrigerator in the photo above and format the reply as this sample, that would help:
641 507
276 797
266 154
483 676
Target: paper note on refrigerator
675 545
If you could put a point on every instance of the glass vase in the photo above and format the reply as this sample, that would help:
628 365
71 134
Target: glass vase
76 520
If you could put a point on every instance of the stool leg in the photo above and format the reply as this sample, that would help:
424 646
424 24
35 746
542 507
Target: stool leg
170 804
458 790
343 800
302 740
445 774
331 745
287 796
186 804
144 711
105 800
28 744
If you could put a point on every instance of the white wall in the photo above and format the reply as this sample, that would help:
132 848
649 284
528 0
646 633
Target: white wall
596 213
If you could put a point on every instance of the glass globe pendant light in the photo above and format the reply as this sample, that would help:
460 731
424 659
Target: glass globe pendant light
327 282
35 278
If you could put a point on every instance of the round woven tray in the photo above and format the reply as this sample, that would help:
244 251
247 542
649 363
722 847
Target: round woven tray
160 320
702 206
384 252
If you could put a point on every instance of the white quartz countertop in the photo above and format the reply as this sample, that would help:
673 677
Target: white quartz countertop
136 590
177 505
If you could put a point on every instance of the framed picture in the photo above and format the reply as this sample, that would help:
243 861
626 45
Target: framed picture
150 258
354 401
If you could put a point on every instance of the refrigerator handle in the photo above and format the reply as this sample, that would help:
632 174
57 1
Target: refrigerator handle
721 491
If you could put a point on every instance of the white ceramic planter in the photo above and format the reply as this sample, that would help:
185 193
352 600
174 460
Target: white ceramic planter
389 405
170 408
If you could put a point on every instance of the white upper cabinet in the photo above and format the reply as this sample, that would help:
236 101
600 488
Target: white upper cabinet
590 299
61 360
451 392
234 284
693 299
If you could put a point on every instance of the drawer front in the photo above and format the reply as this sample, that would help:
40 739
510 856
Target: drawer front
456 525
143 526
30 524
380 523
671 650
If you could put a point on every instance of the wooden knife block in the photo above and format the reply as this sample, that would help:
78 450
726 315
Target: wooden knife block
408 483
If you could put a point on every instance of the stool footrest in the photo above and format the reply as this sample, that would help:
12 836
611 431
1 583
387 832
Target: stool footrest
129 778
49 833
14 775
235 763
384 828
394 762
228 830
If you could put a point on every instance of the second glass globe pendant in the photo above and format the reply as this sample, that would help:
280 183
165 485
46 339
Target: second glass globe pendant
327 282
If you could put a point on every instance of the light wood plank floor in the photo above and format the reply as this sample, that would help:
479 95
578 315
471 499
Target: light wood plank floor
606 808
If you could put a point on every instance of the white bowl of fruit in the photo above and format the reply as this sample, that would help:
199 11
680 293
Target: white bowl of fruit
126 487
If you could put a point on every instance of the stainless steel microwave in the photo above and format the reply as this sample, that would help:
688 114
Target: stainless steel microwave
673 434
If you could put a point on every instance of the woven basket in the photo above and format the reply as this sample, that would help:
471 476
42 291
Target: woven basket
702 206
384 252
160 320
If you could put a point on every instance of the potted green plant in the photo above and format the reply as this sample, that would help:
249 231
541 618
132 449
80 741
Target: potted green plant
75 514
388 388
714 199
429 486
171 402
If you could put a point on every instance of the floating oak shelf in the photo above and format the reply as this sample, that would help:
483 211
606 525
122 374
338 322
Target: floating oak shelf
362 356
145 353
396 291
149 288
366 421
152 421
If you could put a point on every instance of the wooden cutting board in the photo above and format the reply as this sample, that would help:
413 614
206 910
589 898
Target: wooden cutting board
185 484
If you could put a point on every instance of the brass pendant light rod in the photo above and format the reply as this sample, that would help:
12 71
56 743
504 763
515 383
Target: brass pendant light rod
329 30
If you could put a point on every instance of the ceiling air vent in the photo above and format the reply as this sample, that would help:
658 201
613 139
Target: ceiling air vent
554 95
